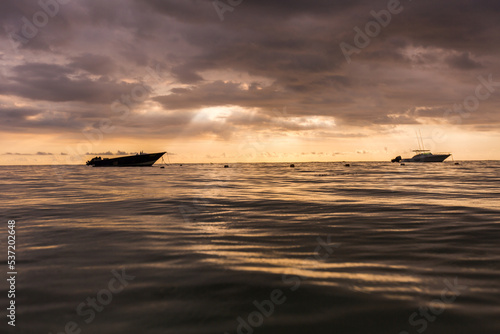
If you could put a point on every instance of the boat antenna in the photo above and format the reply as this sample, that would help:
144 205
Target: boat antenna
423 147
418 141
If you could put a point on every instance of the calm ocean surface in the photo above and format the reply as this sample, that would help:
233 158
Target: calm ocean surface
255 248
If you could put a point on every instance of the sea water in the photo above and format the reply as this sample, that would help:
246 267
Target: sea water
254 248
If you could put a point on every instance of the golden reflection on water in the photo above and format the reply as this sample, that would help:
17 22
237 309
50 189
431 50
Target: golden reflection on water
347 274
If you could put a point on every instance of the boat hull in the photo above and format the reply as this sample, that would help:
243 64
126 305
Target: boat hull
140 160
428 158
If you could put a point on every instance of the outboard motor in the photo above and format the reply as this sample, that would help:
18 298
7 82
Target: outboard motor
396 159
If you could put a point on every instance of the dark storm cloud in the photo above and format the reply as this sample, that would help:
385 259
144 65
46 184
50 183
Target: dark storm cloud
58 83
13 114
93 52
185 74
38 120
463 61
203 11
219 93
95 64
462 25
302 57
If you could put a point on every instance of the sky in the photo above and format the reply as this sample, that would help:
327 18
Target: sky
248 80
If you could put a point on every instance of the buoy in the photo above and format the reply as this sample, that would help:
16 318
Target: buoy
347 165
162 167
226 166
180 165
292 165
456 163
403 165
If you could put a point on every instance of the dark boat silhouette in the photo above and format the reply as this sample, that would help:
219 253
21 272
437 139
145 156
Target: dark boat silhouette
138 160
